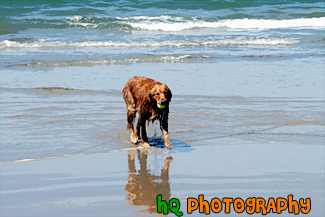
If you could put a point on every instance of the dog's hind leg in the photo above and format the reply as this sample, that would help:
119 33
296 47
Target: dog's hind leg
130 114
137 130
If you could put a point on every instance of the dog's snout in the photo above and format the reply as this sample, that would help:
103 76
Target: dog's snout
163 101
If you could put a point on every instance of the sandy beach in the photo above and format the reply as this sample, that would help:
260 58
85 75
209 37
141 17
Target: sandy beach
66 151
113 184
247 116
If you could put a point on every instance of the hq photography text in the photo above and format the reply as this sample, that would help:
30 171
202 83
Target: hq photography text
227 205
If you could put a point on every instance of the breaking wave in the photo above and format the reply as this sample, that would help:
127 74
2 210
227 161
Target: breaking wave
172 24
238 41
166 23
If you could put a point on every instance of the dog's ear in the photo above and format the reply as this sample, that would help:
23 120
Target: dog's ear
169 95
150 94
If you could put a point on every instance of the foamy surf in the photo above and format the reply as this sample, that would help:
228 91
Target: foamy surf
164 23
237 41
175 24
107 62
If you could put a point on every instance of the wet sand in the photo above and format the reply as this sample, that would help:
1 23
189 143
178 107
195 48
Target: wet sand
247 117
95 122
125 183
65 150
222 103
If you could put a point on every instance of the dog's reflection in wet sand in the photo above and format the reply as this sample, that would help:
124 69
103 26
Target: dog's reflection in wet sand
143 187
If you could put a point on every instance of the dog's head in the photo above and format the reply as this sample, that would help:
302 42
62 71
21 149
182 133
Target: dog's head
160 94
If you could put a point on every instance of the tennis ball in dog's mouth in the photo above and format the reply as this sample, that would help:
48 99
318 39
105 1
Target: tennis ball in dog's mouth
161 106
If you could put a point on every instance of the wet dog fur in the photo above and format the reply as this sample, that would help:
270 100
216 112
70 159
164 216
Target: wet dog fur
142 95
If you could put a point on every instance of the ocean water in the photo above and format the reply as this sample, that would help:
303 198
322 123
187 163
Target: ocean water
239 71
90 33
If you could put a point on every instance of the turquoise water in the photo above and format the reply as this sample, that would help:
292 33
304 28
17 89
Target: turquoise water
87 33
247 117
239 71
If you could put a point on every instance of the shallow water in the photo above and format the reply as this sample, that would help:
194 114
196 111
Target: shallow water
210 105
246 118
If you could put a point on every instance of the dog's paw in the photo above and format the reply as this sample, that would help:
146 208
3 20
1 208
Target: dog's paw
134 139
145 145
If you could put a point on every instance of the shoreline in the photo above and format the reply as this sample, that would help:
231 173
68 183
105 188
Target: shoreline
246 118
97 184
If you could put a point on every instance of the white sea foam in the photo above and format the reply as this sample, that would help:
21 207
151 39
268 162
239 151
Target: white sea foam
89 62
174 24
82 21
155 18
238 41
74 18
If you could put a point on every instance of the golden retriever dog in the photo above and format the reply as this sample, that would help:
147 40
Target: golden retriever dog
151 100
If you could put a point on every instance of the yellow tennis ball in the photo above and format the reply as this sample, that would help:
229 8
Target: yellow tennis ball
161 106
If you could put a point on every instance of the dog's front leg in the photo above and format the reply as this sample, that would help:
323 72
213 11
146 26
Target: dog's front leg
144 138
164 129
